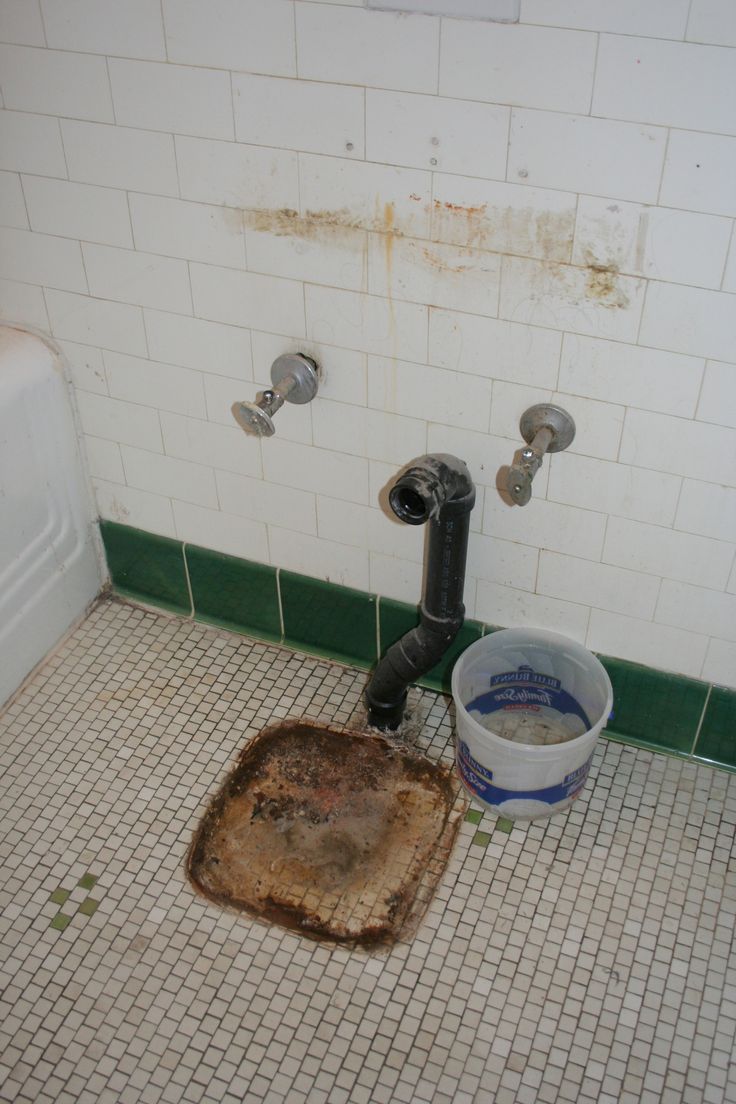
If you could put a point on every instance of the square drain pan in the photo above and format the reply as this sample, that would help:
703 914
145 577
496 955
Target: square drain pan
337 834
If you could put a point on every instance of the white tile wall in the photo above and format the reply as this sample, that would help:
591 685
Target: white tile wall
455 219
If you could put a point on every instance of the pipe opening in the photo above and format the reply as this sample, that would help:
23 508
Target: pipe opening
408 505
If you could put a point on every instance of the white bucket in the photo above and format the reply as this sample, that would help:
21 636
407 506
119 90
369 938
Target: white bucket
541 681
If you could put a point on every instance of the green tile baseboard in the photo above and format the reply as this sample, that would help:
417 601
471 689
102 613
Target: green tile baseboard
652 709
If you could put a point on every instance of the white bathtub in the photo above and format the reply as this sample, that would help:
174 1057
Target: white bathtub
50 568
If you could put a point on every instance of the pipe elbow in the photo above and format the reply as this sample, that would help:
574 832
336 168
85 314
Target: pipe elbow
435 482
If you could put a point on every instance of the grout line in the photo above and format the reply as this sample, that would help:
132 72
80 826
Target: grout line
186 573
595 74
702 719
281 604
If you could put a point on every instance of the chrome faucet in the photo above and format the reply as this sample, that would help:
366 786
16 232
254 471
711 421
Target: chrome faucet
545 428
295 379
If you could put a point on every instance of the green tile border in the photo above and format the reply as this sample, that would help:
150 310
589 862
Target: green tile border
653 709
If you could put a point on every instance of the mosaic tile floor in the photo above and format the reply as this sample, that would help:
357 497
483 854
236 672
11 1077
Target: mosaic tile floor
590 957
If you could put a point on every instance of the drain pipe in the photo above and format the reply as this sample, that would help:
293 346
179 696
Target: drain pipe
438 489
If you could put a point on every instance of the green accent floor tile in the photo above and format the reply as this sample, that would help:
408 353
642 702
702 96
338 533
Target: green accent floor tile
481 839
396 618
60 921
87 881
331 620
654 707
146 566
717 738
233 593
88 906
474 816
59 896
503 824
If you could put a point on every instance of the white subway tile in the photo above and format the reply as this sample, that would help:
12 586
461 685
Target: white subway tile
220 531
432 132
503 218
318 470
380 49
642 79
21 22
257 35
342 371
720 663
698 610
597 424
245 177
514 64
267 502
41 259
658 18
193 231
542 524
23 303
712 21
294 422
163 475
707 509
429 393
699 173
366 323
86 367
512 608
336 256
494 348
393 577
78 210
485 457
31 143
631 375
337 563
682 447
130 506
718 396
363 432
646 642
194 343
128 276
119 157
667 552
430 272
113 420
502 562
613 488
96 322
54 82
216 446
598 156
133 29
299 115
158 385
358 193
583 300
690 320
12 204
378 530
597 585
103 459
179 98
247 299
658 242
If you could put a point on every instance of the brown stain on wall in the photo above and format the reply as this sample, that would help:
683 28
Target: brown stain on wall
602 285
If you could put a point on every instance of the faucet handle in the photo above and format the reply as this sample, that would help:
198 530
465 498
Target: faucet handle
519 484
295 379
253 418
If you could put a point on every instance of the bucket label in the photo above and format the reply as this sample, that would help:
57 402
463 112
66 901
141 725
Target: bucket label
529 690
479 780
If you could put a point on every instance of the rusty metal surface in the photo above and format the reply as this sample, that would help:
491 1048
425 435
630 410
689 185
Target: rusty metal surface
337 834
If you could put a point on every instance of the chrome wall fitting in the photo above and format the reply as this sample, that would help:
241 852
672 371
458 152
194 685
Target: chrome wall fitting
295 379
545 428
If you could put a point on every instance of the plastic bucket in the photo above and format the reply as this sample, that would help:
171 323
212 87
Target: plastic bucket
536 687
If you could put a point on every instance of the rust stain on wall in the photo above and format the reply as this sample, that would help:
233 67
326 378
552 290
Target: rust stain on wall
602 284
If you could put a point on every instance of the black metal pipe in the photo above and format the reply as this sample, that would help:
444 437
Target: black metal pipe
437 489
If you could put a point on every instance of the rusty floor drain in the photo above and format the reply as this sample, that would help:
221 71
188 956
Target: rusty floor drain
336 834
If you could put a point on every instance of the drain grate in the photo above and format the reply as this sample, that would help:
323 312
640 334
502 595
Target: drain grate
337 834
